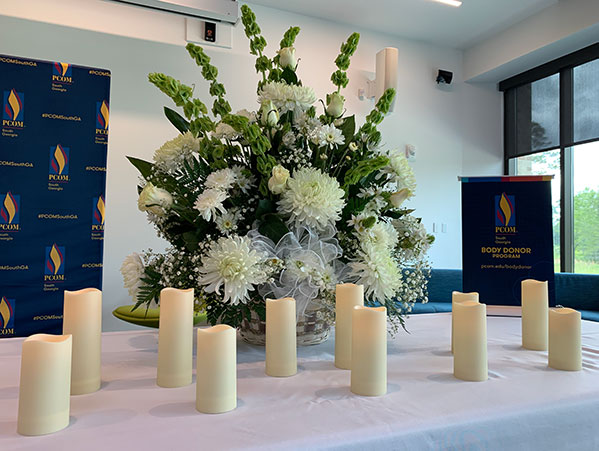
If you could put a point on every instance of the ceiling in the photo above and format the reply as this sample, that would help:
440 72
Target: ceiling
422 20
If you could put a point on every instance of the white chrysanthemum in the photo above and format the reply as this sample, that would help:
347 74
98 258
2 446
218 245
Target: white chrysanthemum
172 153
232 262
243 178
209 202
222 179
132 270
380 234
312 199
287 97
227 222
399 172
377 271
225 131
330 136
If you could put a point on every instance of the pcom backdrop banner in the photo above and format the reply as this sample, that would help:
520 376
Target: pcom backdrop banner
506 236
53 149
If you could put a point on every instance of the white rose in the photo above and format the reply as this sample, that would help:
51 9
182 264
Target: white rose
270 114
335 103
278 181
399 197
287 58
155 200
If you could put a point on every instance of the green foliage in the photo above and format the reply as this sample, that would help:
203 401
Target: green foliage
289 37
150 290
257 41
177 91
177 120
273 227
586 226
144 167
363 169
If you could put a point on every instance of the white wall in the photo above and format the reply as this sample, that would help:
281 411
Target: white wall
457 130
558 30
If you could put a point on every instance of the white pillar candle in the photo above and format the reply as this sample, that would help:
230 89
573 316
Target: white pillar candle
458 296
216 380
281 347
369 351
470 341
45 387
535 315
175 338
565 349
347 296
82 318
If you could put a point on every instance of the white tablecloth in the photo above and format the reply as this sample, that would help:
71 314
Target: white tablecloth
524 404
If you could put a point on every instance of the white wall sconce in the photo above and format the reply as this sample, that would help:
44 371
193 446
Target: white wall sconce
386 76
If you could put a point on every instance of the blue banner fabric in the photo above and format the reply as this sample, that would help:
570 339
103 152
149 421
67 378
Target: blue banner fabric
53 149
507 236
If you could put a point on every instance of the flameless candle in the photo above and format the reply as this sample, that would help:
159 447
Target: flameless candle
470 341
45 387
535 315
369 351
281 347
175 338
347 296
216 380
83 320
565 349
457 296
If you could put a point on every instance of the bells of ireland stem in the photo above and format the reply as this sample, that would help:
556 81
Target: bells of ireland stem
399 197
270 114
335 103
287 58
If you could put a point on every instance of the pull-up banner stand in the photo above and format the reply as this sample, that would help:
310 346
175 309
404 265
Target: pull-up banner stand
53 148
507 236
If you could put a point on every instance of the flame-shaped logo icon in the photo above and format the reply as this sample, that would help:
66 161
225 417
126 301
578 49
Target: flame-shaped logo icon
55 260
102 115
59 159
6 312
13 105
9 208
505 210
62 69
99 209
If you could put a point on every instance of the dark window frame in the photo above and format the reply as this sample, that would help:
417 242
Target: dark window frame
565 67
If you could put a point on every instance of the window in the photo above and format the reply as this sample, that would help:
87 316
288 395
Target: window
551 126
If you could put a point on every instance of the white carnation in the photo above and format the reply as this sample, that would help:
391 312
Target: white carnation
209 202
287 97
232 263
222 179
132 270
312 198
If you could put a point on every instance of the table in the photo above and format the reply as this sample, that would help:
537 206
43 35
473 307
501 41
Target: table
524 404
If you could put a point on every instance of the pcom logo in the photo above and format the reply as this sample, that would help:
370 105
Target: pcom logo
55 263
102 116
505 213
98 212
59 164
62 73
10 212
7 316
13 109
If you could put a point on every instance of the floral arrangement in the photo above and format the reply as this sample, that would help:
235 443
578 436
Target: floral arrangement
283 201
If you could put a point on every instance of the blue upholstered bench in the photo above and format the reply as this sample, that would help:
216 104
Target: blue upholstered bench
578 291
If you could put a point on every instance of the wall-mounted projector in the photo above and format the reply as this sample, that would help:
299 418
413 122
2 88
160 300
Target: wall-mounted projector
215 10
